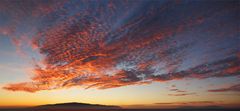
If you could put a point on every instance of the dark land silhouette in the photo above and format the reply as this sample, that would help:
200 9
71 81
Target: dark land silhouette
76 106
97 107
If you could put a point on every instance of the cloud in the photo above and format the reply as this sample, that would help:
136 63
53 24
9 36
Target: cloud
190 103
127 44
234 88
21 86
193 104
182 94
197 105
174 89
222 68
177 90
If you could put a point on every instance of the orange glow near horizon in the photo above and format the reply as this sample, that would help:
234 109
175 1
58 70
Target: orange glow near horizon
136 98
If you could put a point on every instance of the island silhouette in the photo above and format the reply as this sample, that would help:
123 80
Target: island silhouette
75 105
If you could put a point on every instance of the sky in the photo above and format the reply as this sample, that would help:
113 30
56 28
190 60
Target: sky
131 53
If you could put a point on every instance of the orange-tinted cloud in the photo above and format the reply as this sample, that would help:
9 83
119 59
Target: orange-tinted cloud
122 43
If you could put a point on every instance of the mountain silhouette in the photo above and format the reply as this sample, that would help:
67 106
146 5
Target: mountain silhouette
74 105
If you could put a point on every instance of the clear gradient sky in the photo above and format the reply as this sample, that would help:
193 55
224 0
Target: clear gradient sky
132 53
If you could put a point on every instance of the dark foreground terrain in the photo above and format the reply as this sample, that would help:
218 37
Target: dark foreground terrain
120 110
97 107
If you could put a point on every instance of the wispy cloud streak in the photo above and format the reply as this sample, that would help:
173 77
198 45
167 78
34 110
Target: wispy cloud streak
234 88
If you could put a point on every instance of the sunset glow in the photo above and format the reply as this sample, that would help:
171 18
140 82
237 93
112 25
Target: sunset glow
129 53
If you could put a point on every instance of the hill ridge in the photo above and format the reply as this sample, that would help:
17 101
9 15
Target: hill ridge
76 105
